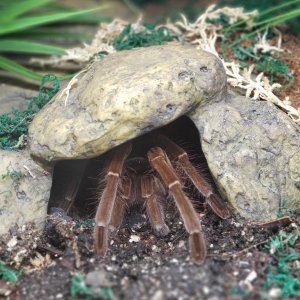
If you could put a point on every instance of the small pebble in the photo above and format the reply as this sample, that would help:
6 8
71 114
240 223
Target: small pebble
134 238
181 244
12 242
159 295
251 276
275 292
206 290
97 278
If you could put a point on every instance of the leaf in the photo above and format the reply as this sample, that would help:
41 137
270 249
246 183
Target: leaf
12 66
86 19
17 8
55 33
29 47
279 19
27 22
261 14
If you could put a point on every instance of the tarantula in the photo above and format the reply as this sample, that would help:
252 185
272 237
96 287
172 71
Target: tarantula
130 178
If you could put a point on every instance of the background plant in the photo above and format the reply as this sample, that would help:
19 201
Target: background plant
23 30
273 12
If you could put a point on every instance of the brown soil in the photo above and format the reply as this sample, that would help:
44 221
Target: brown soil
140 265
292 57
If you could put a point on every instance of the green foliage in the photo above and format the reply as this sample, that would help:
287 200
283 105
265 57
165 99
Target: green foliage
10 45
15 124
242 53
79 290
149 37
144 2
273 66
8 274
89 223
272 16
19 19
256 4
284 273
78 286
264 62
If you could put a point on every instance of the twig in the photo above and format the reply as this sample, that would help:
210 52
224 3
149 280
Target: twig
274 224
28 170
227 255
50 249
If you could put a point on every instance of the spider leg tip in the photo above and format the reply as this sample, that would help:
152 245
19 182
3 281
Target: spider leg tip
218 206
101 240
197 247
161 230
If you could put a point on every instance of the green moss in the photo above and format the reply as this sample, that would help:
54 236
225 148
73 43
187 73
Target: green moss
79 290
274 67
129 39
8 274
89 223
14 125
283 272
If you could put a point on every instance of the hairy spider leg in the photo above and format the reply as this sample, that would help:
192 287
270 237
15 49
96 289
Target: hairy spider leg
123 197
153 206
108 198
160 163
177 153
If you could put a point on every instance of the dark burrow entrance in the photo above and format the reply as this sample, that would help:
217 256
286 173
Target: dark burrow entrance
77 184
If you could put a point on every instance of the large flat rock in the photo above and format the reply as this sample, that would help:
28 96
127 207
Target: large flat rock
125 95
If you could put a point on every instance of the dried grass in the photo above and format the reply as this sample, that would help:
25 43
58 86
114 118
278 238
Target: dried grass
204 35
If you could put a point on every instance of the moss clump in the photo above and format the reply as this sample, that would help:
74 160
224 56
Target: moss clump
151 36
284 273
14 125
8 274
79 290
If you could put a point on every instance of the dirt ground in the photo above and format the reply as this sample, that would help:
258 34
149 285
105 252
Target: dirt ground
140 265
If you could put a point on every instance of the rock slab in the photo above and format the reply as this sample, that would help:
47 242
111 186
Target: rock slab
24 191
253 151
127 94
